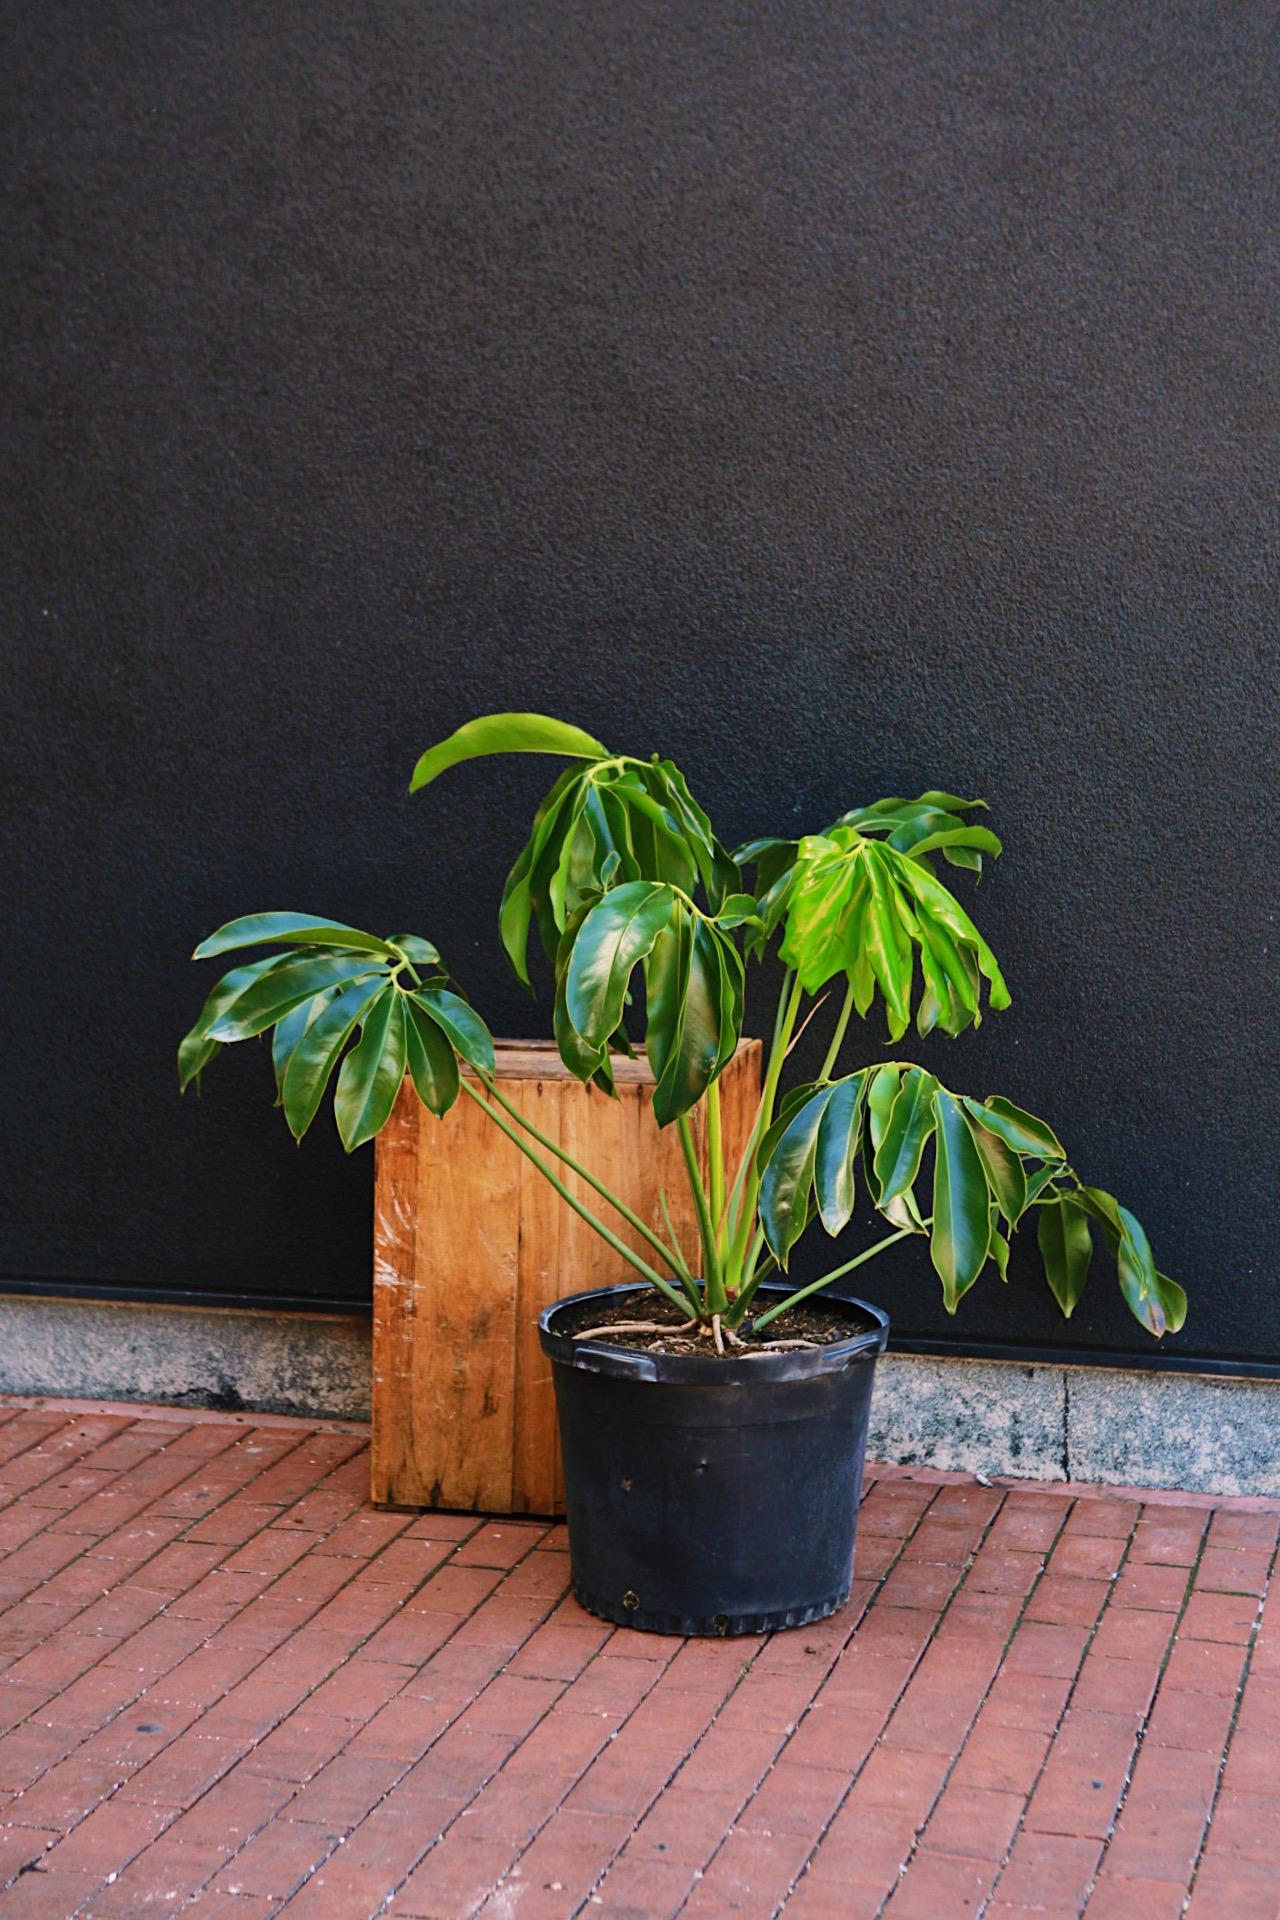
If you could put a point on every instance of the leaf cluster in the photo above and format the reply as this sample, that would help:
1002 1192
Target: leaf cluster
338 995
993 1165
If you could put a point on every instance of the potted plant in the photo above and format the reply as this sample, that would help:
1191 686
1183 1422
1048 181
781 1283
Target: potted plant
713 1421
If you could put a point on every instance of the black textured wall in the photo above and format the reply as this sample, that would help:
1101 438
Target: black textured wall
842 398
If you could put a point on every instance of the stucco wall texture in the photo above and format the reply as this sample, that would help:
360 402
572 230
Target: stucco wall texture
843 399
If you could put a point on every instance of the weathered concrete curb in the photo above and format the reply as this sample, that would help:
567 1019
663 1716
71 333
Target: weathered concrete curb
300 1363
1198 1432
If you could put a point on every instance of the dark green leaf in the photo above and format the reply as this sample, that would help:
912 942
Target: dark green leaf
465 1031
691 1063
1003 1169
316 1054
527 888
910 1122
788 1178
836 1155
961 1233
882 1091
505 733
1066 1248
1022 1131
370 1076
195 1051
299 929
289 1031
791 1099
614 937
431 1060
276 992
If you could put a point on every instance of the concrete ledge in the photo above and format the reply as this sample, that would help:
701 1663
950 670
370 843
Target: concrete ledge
222 1357
1200 1433
1203 1433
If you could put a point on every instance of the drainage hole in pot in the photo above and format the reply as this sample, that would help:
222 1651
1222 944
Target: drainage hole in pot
722 1624
630 1600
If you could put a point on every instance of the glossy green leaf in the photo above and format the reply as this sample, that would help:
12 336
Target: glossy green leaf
284 987
910 1123
836 1153
738 910
290 1029
370 1076
195 1051
788 1178
465 1031
945 911
196 1048
658 844
717 870
1000 1252
978 839
316 1053
1173 1300
422 952
1004 1171
298 929
614 937
505 733
691 1062
431 1059
950 802
1066 1247
1139 1281
527 888
1019 1130
786 1107
960 1236
882 1091
888 944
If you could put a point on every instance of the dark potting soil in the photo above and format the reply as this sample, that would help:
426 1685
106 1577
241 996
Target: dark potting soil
815 1324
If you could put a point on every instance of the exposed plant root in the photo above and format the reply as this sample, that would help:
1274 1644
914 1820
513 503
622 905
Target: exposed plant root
623 1326
716 1334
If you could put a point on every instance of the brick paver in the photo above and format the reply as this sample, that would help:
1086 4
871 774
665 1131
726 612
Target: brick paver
229 1687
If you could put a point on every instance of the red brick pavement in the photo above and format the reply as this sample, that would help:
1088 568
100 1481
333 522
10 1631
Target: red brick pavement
230 1688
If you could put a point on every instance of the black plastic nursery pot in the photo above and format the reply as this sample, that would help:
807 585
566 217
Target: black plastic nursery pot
710 1496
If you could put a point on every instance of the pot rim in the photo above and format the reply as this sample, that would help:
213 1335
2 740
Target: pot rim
674 1369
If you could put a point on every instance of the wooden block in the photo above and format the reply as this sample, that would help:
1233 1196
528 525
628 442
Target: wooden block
470 1243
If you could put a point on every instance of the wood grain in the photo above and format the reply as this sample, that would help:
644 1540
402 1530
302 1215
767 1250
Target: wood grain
470 1243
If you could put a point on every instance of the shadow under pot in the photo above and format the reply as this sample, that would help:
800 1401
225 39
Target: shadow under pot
708 1495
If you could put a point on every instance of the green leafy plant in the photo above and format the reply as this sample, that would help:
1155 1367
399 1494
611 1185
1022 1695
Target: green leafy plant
648 925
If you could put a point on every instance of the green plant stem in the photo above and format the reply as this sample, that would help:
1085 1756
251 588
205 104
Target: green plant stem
712 1284
837 1038
672 1255
715 1159
687 1280
584 1212
784 1026
815 1286
753 1140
